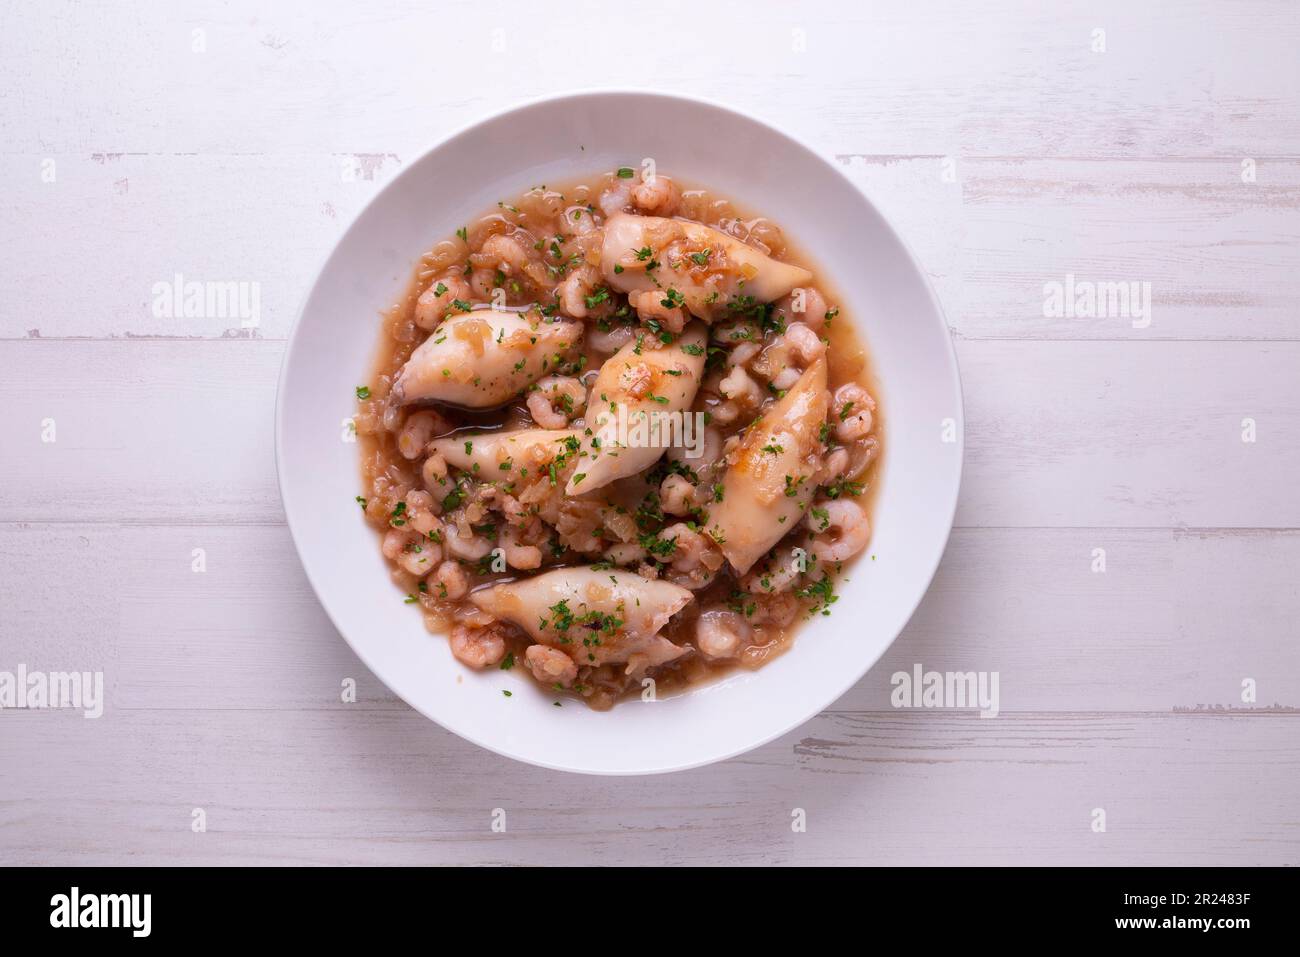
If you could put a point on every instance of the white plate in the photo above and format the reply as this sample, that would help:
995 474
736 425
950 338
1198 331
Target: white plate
884 291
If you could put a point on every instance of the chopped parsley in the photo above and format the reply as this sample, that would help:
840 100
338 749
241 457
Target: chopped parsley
842 487
659 547
823 518
822 594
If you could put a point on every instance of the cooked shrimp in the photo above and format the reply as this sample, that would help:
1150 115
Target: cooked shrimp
412 551
779 574
478 647
720 634
852 408
517 554
803 304
740 388
436 301
625 553
434 475
778 609
482 282
551 667
451 580
422 513
677 495
658 195
695 560
463 543
503 252
418 430
556 400
653 305
616 198
834 466
840 530
724 413
804 344
576 290
579 221
792 352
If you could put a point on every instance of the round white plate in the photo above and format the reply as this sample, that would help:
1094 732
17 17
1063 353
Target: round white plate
883 289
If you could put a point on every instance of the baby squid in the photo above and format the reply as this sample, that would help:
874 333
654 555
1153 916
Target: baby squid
501 455
484 358
640 406
769 479
594 617
693 265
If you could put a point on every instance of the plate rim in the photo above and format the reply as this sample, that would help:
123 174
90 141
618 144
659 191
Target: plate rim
577 96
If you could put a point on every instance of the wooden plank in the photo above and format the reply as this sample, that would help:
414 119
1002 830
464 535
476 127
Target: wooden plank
368 787
1023 790
950 81
1178 620
1164 628
143 431
1073 434
1222 257
1130 434
166 222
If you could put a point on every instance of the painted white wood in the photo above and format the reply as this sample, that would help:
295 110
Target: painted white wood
1222 256
949 78
233 141
366 787
1176 622
1089 433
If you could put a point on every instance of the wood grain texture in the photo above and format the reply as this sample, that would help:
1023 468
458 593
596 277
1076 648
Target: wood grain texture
1095 433
989 239
233 141
1176 622
362 786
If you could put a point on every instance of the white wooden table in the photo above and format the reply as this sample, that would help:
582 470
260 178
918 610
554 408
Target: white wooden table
234 140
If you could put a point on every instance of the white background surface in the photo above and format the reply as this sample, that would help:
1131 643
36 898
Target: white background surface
243 162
